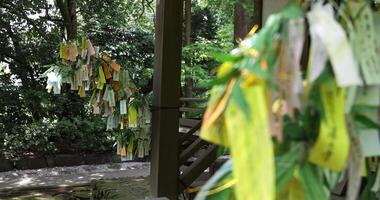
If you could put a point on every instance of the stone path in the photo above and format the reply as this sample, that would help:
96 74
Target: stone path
69 176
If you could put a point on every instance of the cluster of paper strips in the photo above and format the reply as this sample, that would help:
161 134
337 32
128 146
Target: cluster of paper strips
113 93
297 117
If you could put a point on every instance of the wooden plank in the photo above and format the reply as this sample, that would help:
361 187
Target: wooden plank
188 122
191 110
191 131
192 99
191 173
166 94
191 150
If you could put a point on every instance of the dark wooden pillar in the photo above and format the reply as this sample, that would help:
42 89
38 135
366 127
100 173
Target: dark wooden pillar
166 91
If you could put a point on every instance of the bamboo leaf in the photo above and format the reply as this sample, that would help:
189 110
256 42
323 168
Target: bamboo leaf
238 96
223 79
312 183
220 177
366 121
285 166
224 57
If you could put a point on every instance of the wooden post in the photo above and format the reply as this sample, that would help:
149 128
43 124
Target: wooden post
166 92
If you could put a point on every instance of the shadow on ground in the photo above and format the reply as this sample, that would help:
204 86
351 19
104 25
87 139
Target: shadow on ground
120 189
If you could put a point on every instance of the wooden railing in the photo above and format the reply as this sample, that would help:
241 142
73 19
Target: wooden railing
191 145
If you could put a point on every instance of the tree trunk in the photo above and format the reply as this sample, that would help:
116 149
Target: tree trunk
67 8
258 13
188 22
189 80
245 19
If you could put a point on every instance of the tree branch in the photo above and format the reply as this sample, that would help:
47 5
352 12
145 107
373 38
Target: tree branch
19 12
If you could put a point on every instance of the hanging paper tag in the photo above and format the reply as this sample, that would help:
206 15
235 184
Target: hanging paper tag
62 51
81 92
97 49
364 41
332 146
368 96
102 79
123 107
87 86
89 70
317 57
115 76
71 52
54 82
117 148
130 149
332 35
106 71
123 151
147 115
90 48
147 146
254 148
121 125
110 122
290 69
111 98
84 53
115 66
370 141
140 149
85 73
132 117
106 95
74 83
96 109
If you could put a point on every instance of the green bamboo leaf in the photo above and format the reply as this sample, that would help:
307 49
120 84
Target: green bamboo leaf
238 96
285 166
366 121
358 108
224 57
312 182
221 176
367 193
223 79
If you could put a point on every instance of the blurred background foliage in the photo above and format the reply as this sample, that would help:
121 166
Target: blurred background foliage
33 121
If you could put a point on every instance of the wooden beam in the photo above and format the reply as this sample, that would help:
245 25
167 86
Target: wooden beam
193 99
189 122
166 94
191 173
192 110
191 150
191 131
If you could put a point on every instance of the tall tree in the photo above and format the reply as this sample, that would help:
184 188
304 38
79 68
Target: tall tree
247 13
188 22
68 11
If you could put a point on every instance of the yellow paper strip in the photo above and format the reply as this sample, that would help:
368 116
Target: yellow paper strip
332 146
251 146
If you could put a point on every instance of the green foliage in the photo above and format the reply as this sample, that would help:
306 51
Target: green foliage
35 122
68 135
211 34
